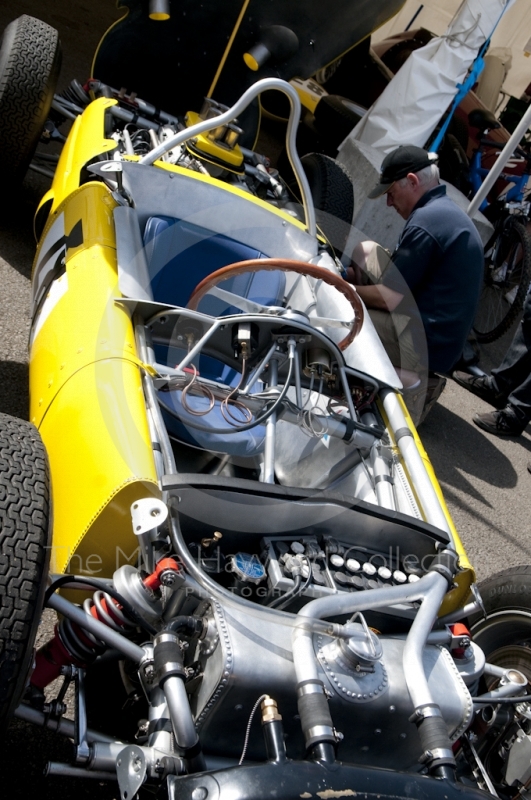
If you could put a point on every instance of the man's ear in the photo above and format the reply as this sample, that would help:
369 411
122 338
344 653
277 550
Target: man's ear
413 180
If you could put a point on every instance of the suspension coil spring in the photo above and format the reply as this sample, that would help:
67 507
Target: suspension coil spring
83 645
73 644
76 93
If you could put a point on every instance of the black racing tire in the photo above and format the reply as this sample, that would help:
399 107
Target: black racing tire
335 117
458 127
506 282
24 553
30 60
454 164
505 634
333 197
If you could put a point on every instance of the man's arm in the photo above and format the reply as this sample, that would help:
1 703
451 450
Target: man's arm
379 296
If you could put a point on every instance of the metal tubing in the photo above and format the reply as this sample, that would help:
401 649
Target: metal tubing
271 426
382 478
303 652
153 409
103 756
460 614
431 506
63 726
336 428
507 690
198 346
58 106
56 769
430 590
222 119
501 161
257 371
494 669
99 629
298 388
508 687
152 404
130 116
416 640
159 713
180 714
41 170
348 394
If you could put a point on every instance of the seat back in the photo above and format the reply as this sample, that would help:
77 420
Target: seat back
179 255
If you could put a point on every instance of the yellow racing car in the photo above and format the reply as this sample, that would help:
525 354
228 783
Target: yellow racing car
222 495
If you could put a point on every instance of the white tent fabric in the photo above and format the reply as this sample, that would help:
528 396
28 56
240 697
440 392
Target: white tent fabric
410 107
514 32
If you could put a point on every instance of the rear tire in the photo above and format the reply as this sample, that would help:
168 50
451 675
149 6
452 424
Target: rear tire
333 197
505 635
24 553
506 282
30 59
335 117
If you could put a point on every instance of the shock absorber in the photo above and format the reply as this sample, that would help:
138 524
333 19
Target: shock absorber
72 644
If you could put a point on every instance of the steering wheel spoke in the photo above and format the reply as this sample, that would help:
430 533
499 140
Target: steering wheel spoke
240 302
210 285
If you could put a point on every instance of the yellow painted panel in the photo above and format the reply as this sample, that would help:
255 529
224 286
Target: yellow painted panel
98 444
86 140
93 204
463 558
454 598
85 325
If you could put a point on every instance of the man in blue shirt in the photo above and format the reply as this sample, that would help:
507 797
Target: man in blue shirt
432 283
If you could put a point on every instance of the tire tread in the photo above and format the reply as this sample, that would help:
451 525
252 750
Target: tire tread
24 550
27 81
484 337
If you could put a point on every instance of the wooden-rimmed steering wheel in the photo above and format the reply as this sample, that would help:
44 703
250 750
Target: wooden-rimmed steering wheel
284 265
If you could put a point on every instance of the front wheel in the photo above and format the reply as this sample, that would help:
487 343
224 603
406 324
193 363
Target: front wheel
24 552
30 59
506 281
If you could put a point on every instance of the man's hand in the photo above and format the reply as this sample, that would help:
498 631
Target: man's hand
379 296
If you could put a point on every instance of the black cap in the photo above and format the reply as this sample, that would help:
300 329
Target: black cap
405 159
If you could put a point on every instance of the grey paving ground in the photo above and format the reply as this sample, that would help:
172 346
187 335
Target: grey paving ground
484 479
